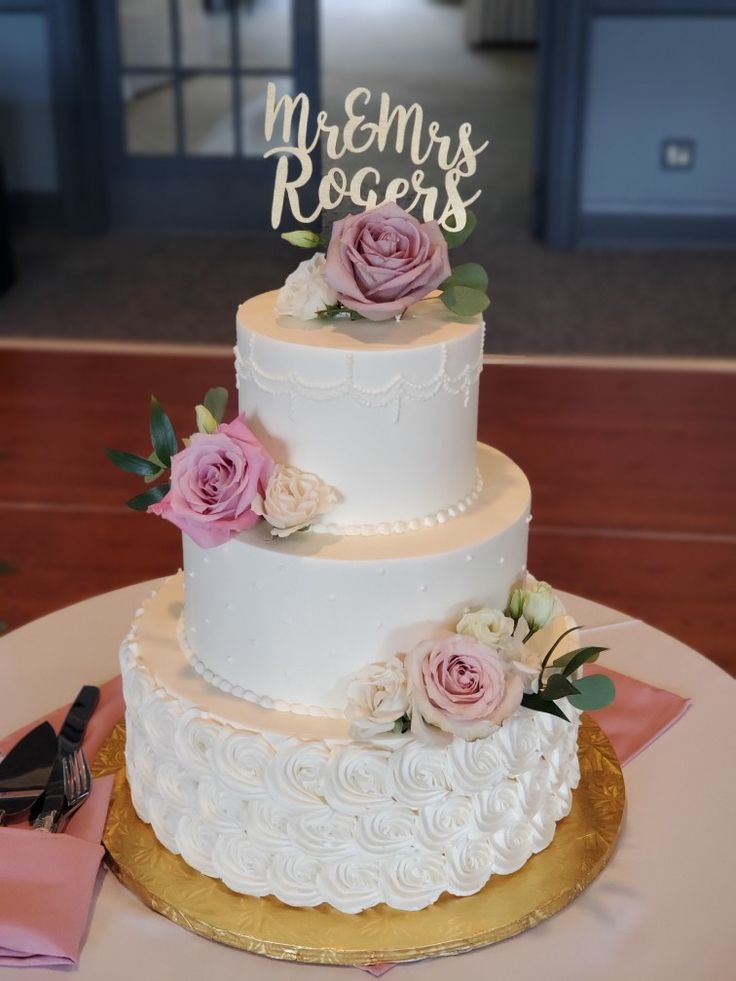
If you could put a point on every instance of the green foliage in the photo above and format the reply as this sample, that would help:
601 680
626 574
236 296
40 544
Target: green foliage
141 502
469 274
557 686
594 692
465 301
163 437
132 463
454 239
571 661
215 401
539 704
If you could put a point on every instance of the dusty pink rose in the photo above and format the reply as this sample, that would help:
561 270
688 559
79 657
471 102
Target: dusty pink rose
381 261
460 686
214 481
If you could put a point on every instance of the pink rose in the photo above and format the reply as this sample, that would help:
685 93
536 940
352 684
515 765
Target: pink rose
214 481
459 685
381 261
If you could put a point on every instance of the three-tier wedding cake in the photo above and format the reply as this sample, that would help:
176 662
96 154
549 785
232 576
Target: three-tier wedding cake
299 758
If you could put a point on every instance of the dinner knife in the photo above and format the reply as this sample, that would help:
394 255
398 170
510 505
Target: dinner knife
51 808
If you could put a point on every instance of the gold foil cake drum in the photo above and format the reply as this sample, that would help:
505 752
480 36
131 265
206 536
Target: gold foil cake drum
508 905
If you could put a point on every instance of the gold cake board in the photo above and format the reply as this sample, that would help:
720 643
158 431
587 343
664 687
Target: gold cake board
507 905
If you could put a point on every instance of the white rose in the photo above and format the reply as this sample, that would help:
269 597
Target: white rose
377 697
293 500
305 292
489 627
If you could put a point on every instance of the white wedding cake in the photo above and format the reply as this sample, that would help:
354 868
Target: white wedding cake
331 703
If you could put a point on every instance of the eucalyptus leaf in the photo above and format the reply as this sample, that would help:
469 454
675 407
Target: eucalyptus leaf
594 692
163 437
469 274
216 402
206 422
571 661
557 686
141 502
464 301
132 463
454 239
532 701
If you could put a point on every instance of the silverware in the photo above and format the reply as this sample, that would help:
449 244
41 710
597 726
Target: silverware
47 814
25 771
77 784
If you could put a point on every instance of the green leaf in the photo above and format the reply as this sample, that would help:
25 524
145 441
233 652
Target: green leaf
154 476
469 274
216 401
454 239
594 692
132 463
531 701
163 437
571 661
141 502
464 301
557 686
206 422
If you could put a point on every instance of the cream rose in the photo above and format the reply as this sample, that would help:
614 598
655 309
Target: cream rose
293 499
377 697
490 627
306 292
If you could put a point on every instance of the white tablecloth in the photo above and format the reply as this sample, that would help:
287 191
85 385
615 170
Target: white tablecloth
662 909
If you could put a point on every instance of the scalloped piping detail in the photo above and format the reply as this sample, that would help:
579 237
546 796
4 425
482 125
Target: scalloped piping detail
440 517
265 701
392 393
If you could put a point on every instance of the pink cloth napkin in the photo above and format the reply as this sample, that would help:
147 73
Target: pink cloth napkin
44 913
639 714
48 880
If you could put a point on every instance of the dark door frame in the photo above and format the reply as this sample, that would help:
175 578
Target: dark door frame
565 37
144 189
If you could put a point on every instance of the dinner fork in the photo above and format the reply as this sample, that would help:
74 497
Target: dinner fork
77 784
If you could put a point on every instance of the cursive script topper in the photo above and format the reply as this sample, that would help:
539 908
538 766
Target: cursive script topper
400 128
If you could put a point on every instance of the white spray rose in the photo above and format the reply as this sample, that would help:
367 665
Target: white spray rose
305 292
490 627
293 500
377 697
535 601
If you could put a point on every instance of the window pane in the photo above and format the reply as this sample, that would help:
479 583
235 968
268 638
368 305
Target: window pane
205 33
208 114
148 106
265 34
253 110
145 32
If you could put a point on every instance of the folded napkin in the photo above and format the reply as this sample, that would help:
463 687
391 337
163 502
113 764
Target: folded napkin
638 715
49 879
44 913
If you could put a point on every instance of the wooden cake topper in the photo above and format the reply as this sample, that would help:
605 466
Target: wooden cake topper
398 128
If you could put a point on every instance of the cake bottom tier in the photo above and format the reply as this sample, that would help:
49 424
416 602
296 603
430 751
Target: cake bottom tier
278 804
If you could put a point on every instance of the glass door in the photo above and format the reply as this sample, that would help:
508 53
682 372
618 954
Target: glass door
184 90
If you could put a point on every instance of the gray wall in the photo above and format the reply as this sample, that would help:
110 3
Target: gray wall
27 136
651 79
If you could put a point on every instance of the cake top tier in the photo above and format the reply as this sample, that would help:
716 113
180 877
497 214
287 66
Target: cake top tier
385 413
424 324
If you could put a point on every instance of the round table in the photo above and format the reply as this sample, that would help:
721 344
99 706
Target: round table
662 909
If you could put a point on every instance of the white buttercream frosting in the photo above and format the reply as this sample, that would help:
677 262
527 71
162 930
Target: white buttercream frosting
352 824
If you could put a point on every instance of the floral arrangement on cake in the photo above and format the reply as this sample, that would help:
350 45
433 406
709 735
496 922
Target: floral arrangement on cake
468 682
222 480
377 264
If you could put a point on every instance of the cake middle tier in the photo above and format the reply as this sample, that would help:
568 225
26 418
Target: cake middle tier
385 413
288 623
